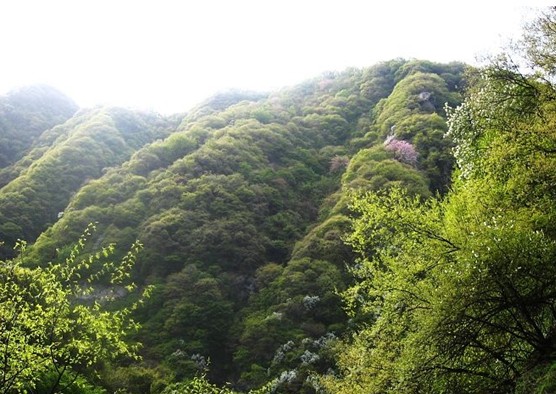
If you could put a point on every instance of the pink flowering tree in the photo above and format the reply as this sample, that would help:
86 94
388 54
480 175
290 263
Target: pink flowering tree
403 150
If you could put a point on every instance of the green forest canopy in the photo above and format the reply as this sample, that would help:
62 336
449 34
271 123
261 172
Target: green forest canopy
375 230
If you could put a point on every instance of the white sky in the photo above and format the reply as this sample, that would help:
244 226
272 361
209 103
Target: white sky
169 55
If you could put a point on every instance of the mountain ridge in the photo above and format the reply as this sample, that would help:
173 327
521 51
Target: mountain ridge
241 205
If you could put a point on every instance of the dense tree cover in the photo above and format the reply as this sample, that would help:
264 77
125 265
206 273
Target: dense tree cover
24 115
62 160
200 385
458 292
51 342
315 239
242 210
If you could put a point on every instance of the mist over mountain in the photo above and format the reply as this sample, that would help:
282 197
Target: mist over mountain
25 114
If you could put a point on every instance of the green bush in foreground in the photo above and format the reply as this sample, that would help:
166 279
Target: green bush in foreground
55 328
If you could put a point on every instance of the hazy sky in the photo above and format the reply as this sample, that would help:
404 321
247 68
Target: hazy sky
169 55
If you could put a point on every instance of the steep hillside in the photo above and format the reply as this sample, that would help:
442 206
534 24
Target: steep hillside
241 210
62 160
382 230
457 294
24 115
297 306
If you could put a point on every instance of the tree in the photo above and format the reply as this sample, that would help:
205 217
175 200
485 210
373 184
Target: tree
200 385
458 294
403 151
54 327
538 43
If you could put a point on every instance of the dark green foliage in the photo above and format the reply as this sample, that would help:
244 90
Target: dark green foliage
68 384
299 298
242 210
193 320
292 234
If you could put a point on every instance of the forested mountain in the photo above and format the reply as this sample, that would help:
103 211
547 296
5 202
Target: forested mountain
63 159
24 115
385 229
240 205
